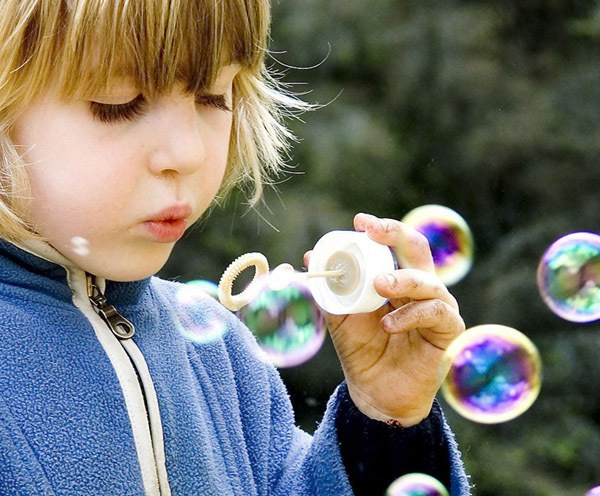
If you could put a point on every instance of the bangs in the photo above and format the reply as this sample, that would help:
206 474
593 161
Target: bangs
80 46
84 44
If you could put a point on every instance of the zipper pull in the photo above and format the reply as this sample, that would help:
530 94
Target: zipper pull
118 324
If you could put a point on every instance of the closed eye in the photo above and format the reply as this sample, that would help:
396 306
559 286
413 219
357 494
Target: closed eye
121 112
212 100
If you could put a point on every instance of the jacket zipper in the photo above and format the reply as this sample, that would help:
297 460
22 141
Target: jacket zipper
124 330
119 325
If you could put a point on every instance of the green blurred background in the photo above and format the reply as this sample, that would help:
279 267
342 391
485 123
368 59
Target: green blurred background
491 108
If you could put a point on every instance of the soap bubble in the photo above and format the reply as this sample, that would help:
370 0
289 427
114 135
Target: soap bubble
494 376
80 246
209 287
449 237
416 485
284 317
568 277
594 491
190 314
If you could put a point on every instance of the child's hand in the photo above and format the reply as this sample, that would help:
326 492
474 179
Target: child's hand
392 357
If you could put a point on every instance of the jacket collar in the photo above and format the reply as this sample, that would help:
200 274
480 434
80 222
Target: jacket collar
39 253
37 265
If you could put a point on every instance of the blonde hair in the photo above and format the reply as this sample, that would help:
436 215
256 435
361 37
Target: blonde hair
159 43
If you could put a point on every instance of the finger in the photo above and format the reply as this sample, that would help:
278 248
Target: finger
410 246
306 259
438 322
413 284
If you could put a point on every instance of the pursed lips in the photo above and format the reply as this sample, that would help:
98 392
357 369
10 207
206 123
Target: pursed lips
169 224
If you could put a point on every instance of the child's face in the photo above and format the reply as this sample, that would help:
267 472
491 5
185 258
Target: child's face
114 183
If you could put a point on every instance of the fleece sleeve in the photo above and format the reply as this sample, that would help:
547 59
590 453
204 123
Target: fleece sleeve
284 460
351 454
375 454
313 464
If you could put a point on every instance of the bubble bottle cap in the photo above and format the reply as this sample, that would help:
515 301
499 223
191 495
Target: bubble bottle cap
358 259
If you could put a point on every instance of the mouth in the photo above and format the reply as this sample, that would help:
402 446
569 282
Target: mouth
172 213
168 225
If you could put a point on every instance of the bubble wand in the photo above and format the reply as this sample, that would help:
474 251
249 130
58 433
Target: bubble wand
341 272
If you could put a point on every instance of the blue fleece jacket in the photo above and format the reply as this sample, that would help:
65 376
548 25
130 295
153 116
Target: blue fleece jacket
84 412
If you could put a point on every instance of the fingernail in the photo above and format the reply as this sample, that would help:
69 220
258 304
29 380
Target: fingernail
390 279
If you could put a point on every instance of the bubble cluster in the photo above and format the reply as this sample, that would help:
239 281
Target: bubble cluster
494 374
190 315
284 317
568 277
594 491
449 237
416 485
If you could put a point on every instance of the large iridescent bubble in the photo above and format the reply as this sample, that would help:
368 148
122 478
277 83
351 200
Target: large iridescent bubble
568 277
190 315
594 491
494 375
284 317
449 237
416 485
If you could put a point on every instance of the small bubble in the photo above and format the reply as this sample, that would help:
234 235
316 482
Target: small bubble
594 491
209 287
285 319
568 277
449 237
80 246
416 485
190 315
494 374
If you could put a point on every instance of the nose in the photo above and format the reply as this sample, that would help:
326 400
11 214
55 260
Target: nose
178 144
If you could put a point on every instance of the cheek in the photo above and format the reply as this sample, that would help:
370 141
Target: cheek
218 142
77 187
68 178
219 130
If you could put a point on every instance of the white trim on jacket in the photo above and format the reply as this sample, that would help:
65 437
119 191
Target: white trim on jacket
131 370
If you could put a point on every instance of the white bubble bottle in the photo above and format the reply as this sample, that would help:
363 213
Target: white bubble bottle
351 261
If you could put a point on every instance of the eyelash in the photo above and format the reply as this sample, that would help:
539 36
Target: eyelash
123 112
216 101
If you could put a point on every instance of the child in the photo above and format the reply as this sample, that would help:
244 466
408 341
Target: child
121 121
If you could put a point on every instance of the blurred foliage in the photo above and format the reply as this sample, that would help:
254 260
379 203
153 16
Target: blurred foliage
491 108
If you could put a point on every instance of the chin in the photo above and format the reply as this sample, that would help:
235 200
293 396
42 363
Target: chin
130 274
126 270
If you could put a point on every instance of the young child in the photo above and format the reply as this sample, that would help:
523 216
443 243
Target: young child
121 121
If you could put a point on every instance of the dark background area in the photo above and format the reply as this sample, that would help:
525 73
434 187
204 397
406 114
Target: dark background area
491 108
